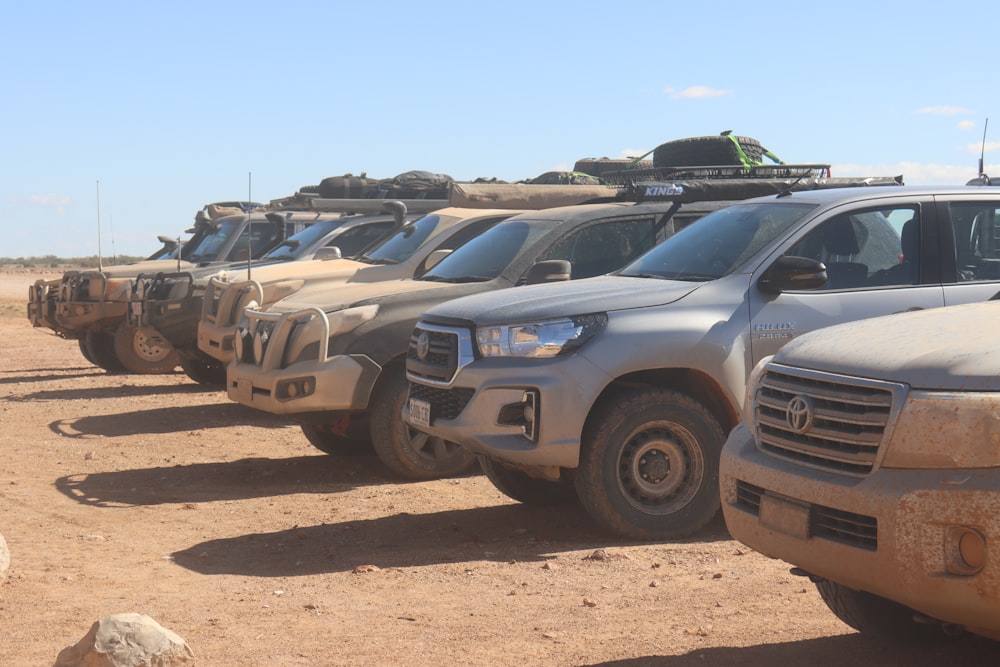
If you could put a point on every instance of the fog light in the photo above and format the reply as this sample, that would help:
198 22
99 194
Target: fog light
965 550
288 390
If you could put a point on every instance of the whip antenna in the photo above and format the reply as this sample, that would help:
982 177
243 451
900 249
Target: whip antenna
100 262
982 151
249 221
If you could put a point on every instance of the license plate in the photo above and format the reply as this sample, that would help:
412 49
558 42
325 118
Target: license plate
420 412
244 391
785 516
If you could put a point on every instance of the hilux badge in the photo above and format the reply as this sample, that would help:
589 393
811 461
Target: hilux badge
799 414
423 345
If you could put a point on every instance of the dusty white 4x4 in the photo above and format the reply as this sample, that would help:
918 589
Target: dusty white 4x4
869 458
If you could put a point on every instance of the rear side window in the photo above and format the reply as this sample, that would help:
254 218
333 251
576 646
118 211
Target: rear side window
977 240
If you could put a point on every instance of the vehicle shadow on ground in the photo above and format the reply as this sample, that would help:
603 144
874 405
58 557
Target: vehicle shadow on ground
850 649
230 480
160 421
124 390
502 533
50 375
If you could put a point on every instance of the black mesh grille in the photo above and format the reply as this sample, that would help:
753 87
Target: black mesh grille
445 403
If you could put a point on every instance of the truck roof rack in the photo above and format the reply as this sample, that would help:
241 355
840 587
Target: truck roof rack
686 191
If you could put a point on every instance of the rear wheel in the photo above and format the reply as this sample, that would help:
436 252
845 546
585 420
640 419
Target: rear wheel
82 342
649 464
100 346
527 489
876 616
404 450
144 351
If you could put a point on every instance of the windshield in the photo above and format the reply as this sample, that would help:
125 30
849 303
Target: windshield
486 256
719 243
291 247
405 242
210 246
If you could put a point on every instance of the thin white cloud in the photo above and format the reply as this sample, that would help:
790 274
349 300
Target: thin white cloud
695 93
943 111
966 124
988 147
57 203
915 173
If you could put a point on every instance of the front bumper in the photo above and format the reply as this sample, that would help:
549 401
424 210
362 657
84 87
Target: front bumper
222 307
473 408
893 533
261 376
42 304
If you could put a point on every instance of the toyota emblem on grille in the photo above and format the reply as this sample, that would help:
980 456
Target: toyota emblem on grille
799 414
423 345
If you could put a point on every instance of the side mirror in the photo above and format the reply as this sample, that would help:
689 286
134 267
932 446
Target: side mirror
328 252
549 271
792 273
434 258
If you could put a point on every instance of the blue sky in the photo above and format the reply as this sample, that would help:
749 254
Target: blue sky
169 106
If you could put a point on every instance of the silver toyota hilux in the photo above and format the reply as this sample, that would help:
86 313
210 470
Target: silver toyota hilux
621 389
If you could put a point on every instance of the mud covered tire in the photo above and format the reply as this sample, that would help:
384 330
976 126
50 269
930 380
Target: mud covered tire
705 152
324 438
649 464
143 351
404 450
100 347
526 489
876 616
209 372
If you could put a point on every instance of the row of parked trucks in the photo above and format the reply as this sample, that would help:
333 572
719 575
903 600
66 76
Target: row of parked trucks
641 346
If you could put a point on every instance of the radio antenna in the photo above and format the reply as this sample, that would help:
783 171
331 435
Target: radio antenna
982 152
100 261
249 221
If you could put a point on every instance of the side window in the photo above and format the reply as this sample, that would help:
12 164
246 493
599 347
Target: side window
977 240
355 239
604 247
255 239
870 248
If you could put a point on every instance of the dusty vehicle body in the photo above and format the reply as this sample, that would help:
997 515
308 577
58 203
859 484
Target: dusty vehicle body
869 458
334 359
620 389
91 305
406 253
170 303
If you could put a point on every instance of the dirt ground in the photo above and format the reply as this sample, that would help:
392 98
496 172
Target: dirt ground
150 494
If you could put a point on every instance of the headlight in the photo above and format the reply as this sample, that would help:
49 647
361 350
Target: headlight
304 339
946 430
547 338
751 390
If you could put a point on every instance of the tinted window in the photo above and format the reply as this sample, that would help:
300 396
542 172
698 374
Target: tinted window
604 247
209 246
720 243
977 240
353 240
290 247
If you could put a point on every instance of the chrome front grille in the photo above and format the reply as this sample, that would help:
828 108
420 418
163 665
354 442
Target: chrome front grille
823 420
436 354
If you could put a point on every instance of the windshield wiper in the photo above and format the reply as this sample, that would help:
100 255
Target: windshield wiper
655 276
458 279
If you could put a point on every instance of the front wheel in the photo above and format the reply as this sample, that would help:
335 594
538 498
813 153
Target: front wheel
100 350
876 616
332 440
527 489
649 464
144 351
211 373
406 451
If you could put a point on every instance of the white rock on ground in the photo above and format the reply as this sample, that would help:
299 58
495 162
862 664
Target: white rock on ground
4 559
127 640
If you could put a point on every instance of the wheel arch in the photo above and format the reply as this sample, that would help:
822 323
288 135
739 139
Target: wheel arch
697 384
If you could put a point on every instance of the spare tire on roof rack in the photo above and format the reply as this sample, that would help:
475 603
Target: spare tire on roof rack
598 166
711 151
